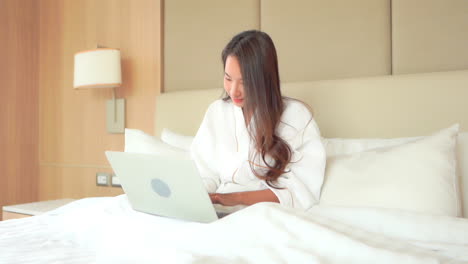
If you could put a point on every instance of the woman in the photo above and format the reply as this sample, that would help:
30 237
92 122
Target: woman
255 145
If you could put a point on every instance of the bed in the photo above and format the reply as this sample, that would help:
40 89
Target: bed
367 214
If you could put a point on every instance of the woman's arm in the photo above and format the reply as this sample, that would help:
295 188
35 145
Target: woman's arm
203 150
243 198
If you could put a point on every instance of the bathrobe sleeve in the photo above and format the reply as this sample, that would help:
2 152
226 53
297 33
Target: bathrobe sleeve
303 181
203 151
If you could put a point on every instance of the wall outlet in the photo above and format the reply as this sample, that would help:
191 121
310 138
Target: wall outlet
115 182
102 178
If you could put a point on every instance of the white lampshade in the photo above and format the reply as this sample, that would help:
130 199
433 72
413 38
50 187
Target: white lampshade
98 68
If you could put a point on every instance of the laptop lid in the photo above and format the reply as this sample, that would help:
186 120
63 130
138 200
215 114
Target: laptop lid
165 186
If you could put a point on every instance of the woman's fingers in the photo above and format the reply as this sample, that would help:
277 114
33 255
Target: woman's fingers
214 198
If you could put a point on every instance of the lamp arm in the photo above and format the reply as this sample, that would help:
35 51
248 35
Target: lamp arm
114 105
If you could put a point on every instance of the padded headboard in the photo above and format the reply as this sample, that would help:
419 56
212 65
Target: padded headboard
315 39
376 107
385 106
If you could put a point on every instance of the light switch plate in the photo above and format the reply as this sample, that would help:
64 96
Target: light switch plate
102 179
115 182
115 116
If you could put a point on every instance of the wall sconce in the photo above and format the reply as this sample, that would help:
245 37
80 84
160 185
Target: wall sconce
100 68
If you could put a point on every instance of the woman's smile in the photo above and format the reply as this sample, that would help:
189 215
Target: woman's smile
237 101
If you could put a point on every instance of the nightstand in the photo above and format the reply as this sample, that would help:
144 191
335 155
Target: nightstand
30 209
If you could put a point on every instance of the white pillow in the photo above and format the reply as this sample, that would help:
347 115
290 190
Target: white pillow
176 140
418 176
137 141
339 146
346 146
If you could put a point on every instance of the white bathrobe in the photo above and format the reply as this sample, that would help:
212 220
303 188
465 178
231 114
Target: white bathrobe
221 152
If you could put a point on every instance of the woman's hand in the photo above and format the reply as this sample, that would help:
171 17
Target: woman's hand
244 198
227 199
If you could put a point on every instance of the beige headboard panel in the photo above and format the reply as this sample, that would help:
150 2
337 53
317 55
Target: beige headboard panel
195 32
316 40
331 39
183 111
429 35
384 106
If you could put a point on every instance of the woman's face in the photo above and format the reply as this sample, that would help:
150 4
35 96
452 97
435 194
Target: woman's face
233 83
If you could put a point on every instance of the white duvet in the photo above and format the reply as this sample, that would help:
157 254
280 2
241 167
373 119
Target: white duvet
107 230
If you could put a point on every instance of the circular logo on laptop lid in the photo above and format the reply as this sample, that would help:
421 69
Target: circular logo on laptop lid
160 187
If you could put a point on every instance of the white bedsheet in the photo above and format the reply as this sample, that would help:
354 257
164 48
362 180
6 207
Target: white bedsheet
107 230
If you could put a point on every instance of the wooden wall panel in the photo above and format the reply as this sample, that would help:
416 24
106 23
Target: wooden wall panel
61 181
18 101
141 40
50 72
73 132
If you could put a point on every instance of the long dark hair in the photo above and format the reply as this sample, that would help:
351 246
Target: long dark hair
263 101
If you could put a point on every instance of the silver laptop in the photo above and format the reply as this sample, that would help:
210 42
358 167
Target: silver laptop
164 186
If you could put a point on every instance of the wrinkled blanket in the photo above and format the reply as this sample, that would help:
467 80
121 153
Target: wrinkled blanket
108 230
